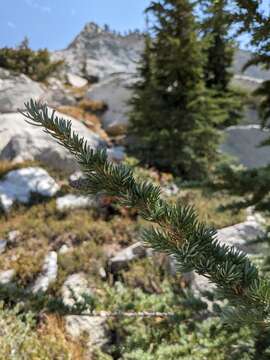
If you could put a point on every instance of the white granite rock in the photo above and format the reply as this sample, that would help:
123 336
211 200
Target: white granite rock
77 175
59 97
76 81
97 52
115 92
16 89
240 234
102 273
3 246
18 185
125 256
170 190
242 142
48 275
7 276
71 201
20 141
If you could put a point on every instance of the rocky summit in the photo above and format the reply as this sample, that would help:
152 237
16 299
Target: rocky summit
97 52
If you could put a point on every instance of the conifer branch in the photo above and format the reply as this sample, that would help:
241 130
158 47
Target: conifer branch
176 229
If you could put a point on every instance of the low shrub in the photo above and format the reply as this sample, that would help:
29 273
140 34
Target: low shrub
191 335
35 64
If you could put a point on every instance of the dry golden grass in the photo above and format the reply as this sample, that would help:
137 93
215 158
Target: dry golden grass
93 106
43 229
6 166
210 207
22 338
52 329
78 92
89 120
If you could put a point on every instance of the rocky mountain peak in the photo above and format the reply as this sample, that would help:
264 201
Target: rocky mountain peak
92 27
97 52
93 34
90 31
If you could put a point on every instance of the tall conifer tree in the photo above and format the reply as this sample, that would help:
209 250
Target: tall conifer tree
219 49
141 101
172 118
257 21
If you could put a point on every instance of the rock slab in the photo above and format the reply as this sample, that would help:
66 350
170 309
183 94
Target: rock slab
20 184
115 91
20 141
75 285
16 89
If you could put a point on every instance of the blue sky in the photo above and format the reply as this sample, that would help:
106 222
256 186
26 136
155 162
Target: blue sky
54 23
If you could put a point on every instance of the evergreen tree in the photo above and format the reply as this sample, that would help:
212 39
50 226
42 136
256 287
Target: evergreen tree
254 184
142 102
219 49
143 88
171 119
254 19
261 40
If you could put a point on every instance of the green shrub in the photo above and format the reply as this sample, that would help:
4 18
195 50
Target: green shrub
189 335
35 64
